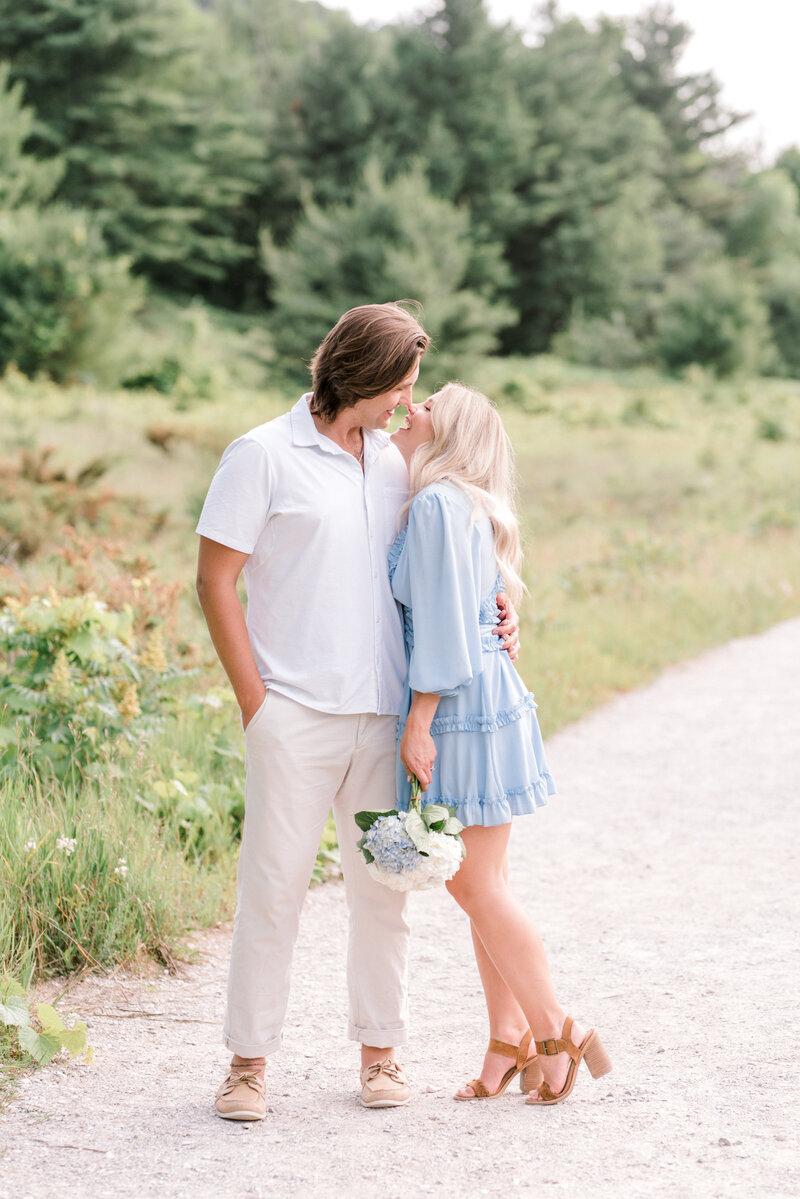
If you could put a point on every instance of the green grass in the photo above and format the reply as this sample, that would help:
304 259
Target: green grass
661 518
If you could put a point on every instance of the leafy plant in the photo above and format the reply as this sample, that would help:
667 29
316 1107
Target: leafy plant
44 1034
76 684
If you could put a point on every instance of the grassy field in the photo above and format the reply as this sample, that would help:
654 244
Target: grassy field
661 518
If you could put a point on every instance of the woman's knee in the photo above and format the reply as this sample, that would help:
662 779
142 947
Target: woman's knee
473 890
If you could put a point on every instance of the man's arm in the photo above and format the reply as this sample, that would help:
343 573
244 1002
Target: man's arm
508 628
218 569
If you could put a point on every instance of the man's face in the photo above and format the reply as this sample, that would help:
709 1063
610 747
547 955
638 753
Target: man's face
378 411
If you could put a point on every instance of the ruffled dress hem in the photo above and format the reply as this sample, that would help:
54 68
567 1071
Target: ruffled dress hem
522 801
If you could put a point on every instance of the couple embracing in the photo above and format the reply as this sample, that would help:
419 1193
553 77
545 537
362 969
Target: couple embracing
400 554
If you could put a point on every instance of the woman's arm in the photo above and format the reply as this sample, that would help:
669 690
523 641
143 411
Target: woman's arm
417 750
218 568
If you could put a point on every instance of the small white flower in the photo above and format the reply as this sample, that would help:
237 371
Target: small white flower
212 701
30 845
67 844
122 869
179 787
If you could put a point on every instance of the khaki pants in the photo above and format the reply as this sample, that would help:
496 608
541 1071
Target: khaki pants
300 763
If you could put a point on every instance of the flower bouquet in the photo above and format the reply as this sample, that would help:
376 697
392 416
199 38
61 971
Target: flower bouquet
413 850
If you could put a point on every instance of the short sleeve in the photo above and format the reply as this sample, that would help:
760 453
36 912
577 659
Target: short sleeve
447 647
238 501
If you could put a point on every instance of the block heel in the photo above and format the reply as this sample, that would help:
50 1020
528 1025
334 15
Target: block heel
595 1056
531 1077
590 1050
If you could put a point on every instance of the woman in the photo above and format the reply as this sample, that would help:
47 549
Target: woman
468 726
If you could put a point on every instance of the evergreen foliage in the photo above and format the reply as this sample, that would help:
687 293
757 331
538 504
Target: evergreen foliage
569 184
62 297
688 107
123 93
63 300
394 240
583 232
23 178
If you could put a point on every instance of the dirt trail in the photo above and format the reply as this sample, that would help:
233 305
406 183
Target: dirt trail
665 881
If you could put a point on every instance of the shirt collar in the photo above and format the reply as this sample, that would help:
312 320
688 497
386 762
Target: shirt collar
305 432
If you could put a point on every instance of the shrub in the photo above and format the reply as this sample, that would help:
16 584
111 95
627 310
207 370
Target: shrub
596 341
63 300
38 497
713 315
76 686
782 294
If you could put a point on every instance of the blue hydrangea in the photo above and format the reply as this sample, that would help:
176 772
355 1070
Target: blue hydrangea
390 845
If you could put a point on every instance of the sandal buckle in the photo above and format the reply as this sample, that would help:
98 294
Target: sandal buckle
550 1047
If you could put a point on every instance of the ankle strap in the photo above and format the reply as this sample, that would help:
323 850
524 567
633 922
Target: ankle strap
563 1044
519 1052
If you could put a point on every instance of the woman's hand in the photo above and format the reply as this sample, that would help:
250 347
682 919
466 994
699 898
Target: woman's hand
417 748
508 628
418 753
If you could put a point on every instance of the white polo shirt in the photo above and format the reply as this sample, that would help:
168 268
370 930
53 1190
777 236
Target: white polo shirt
322 621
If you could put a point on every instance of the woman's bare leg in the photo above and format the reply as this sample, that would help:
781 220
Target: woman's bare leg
506 1018
510 942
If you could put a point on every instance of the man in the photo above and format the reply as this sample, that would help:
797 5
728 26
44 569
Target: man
307 505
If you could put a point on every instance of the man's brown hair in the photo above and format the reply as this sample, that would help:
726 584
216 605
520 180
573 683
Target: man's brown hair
367 352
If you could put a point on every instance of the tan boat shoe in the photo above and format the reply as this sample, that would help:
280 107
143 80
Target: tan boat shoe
242 1096
383 1084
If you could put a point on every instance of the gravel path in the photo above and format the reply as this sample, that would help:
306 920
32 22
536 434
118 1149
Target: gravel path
665 881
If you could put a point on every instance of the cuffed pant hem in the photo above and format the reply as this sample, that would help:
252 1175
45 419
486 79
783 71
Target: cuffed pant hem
380 1038
244 1050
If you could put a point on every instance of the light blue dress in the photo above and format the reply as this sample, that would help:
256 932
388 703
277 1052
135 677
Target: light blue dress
490 761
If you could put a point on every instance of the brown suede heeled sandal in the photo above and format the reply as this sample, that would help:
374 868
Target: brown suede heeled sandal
524 1063
590 1050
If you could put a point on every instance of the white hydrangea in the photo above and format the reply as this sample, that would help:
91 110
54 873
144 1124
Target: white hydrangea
401 867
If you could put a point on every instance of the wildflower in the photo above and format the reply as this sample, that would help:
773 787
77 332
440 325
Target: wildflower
59 685
67 844
121 868
129 704
30 845
153 657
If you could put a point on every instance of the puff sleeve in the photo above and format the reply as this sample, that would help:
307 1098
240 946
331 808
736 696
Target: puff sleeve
443 586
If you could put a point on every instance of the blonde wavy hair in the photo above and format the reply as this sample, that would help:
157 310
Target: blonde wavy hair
470 448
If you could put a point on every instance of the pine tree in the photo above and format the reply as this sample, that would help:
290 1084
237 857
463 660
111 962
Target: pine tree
393 240
688 107
584 231
125 91
450 100
24 179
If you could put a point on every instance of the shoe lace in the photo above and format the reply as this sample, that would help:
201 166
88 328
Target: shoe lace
390 1068
252 1080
